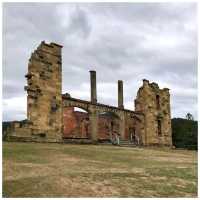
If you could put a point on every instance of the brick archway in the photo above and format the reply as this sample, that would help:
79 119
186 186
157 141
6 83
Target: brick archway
75 123
94 109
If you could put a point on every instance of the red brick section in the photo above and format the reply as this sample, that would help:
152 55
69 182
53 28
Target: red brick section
76 125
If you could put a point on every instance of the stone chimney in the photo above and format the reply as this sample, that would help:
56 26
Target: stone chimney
120 94
93 86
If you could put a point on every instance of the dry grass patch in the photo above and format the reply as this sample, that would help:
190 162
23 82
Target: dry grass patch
58 170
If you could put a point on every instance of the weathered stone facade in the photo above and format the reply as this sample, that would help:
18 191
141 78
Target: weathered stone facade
51 116
155 104
44 100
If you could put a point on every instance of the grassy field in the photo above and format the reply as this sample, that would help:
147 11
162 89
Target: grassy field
64 170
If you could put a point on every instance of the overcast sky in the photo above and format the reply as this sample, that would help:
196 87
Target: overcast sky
121 41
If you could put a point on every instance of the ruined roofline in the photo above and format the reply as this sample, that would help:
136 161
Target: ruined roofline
56 44
152 84
100 104
51 45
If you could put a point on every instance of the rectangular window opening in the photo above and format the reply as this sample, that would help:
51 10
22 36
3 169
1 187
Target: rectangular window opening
158 101
159 128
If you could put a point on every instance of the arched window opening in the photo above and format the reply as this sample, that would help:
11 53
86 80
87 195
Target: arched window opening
77 109
76 123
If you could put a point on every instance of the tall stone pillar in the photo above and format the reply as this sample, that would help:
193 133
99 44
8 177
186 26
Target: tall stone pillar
93 86
122 126
120 94
94 125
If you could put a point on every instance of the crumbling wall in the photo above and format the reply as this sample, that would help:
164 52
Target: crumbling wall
44 100
155 104
16 129
151 122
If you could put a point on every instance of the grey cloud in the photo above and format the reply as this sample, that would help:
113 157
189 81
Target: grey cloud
128 41
79 24
13 89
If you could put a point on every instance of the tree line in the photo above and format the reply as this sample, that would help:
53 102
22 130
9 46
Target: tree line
185 132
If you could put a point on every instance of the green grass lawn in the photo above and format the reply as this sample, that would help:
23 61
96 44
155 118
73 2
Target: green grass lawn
65 170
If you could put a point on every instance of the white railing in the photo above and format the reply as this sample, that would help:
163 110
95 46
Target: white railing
115 138
137 140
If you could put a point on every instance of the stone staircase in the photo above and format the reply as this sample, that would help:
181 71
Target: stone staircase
122 143
126 143
105 142
77 141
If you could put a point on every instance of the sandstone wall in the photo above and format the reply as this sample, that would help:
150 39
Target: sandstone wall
155 104
44 100
45 105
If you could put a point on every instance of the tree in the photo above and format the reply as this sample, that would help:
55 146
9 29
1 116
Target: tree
184 133
189 116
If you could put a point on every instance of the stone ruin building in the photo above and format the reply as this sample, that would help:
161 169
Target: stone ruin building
51 116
